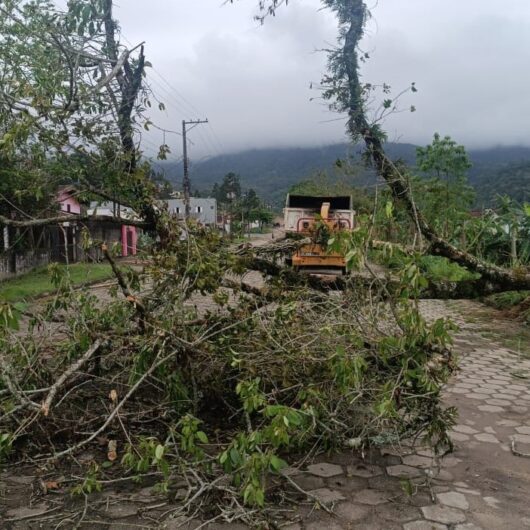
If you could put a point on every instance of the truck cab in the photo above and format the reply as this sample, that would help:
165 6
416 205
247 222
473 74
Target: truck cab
318 218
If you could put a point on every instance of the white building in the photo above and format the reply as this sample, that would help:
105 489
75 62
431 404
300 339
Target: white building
203 210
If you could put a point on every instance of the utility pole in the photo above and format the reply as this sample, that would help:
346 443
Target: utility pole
186 182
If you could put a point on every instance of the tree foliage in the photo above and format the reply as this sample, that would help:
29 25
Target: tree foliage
230 390
444 194
71 99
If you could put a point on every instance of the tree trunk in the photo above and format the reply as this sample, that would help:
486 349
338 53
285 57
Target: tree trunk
390 172
130 82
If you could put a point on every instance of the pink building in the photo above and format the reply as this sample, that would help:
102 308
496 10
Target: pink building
66 197
112 232
129 240
108 231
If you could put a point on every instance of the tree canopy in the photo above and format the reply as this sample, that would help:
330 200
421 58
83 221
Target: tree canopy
72 96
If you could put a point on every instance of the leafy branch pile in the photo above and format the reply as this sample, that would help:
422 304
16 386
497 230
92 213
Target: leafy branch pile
193 374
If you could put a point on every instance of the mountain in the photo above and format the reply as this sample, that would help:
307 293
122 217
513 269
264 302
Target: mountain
271 172
501 178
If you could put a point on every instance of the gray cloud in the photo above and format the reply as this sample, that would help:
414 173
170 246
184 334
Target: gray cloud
468 58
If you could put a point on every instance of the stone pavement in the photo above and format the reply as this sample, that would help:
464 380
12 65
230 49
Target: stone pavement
484 484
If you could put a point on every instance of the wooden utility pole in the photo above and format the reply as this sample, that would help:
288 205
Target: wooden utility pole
186 185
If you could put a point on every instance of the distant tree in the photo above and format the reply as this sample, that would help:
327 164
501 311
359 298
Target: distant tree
445 196
253 209
250 201
230 189
243 208
321 184
216 193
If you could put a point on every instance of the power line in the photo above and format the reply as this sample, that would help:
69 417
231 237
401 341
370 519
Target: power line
186 101
172 100
186 184
182 104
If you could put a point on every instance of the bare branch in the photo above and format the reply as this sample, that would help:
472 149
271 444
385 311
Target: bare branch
71 218
46 404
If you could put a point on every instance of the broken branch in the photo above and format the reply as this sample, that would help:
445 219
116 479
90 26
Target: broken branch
66 375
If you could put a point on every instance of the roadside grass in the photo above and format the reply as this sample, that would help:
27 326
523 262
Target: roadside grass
435 268
508 333
38 282
438 268
507 299
517 341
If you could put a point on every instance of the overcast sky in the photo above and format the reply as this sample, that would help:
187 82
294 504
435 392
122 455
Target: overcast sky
470 60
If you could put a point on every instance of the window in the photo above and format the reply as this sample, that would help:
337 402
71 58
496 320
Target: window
177 209
198 209
68 208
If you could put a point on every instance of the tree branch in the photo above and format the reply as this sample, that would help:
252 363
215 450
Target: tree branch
28 223
46 404
122 282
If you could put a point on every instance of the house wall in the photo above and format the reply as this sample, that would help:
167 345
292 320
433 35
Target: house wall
129 240
13 265
63 243
68 203
112 233
203 210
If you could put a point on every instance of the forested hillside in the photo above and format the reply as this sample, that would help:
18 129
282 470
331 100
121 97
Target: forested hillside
271 172
512 178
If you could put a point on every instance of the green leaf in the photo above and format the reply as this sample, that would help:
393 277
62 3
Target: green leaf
201 436
20 306
294 418
277 463
235 456
389 209
159 452
260 497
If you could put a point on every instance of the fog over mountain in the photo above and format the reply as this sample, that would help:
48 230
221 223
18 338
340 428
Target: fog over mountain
211 59
271 172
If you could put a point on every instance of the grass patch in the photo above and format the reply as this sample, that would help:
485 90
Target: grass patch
514 301
434 268
38 282
507 299
437 268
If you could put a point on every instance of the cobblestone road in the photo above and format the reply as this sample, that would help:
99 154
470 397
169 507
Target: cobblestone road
484 484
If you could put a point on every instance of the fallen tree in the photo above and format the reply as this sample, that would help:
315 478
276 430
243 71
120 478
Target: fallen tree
345 88
195 375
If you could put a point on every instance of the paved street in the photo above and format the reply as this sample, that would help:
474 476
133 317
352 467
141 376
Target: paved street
484 484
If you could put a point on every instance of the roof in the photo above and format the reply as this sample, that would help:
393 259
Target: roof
112 209
340 202
193 201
